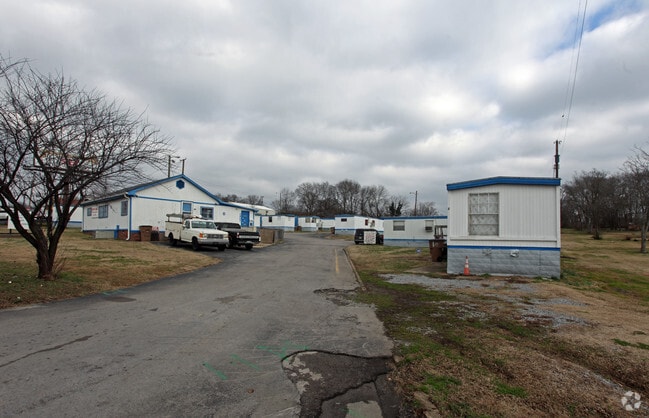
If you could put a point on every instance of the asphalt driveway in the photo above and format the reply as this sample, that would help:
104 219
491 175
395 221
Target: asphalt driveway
267 332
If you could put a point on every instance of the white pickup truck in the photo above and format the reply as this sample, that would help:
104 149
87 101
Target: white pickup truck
197 231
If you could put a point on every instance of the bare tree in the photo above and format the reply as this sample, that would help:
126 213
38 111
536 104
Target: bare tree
375 200
285 203
427 209
591 194
59 144
308 198
636 170
253 199
348 195
328 206
228 197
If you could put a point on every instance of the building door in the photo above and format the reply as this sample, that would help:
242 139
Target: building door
245 218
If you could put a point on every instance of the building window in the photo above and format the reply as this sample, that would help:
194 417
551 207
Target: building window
270 219
124 208
207 212
103 211
343 219
187 209
429 224
398 225
88 212
483 214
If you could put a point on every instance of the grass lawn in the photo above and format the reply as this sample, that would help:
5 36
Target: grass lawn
516 346
88 266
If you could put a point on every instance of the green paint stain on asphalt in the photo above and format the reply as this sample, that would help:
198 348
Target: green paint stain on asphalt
218 373
245 362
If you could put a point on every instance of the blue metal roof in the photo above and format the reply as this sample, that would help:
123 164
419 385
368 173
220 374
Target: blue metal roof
527 181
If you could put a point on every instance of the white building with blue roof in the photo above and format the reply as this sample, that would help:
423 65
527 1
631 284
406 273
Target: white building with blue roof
121 214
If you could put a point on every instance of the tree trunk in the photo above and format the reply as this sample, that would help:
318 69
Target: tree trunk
643 238
45 262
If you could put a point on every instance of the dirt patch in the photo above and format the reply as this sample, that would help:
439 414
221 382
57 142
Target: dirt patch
503 346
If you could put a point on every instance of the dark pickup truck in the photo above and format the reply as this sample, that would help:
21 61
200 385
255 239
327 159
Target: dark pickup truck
238 236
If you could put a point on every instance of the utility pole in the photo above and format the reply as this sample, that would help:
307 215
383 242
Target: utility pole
415 211
556 158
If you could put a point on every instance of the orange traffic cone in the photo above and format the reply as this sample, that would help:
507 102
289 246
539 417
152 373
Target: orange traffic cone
466 267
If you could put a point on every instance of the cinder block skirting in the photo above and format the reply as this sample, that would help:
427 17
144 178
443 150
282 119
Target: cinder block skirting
536 262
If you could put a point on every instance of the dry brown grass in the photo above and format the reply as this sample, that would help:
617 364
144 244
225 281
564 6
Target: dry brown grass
88 266
475 351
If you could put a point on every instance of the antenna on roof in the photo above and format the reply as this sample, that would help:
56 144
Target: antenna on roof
556 158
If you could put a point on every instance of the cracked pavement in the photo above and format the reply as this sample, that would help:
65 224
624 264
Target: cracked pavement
340 385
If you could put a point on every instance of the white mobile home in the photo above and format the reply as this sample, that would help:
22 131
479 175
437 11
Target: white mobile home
505 225
308 223
413 231
283 222
347 224
122 213
327 223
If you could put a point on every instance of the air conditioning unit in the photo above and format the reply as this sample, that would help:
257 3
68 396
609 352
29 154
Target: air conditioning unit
429 229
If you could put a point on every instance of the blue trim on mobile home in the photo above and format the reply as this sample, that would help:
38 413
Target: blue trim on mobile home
528 181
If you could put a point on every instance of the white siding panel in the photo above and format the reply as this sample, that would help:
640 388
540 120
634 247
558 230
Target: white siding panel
528 213
528 216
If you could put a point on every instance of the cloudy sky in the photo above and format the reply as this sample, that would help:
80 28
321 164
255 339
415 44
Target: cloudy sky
259 95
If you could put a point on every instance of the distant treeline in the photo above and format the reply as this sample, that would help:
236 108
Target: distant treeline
345 197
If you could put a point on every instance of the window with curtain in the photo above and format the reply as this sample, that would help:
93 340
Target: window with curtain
207 212
103 211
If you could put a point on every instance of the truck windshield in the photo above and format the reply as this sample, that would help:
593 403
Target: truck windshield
203 225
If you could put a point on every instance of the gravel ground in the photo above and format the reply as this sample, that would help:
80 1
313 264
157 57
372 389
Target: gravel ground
519 294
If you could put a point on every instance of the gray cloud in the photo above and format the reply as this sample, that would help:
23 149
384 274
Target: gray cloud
410 95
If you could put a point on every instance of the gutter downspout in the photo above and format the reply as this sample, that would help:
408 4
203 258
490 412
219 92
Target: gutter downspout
130 216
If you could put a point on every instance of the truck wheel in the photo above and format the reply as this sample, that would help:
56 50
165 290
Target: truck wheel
248 247
172 240
195 245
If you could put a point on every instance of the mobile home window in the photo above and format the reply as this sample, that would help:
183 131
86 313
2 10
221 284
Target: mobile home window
207 212
399 225
124 208
483 214
103 211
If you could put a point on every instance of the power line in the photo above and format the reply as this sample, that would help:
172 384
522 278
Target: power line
572 81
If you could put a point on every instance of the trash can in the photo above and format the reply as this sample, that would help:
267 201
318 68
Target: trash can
145 232
437 249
